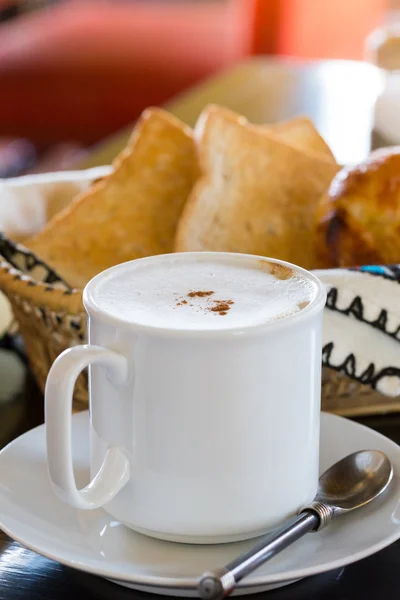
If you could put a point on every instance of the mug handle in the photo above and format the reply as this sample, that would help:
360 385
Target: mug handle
114 472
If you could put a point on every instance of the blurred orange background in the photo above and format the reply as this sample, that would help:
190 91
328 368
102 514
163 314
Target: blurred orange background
81 69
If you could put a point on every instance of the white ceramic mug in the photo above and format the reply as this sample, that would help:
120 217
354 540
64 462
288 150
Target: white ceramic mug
196 436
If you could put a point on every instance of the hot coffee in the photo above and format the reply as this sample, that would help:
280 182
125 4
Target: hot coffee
203 292
205 379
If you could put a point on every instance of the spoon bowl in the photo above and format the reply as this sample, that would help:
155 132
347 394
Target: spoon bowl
355 481
349 484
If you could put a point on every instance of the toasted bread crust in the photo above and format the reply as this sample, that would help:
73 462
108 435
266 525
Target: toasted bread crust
131 213
257 194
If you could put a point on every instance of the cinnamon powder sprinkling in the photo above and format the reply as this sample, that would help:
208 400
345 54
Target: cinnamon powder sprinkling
277 270
281 272
200 294
302 305
221 306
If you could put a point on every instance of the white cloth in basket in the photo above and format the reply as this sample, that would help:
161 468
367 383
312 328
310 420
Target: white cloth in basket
26 202
361 332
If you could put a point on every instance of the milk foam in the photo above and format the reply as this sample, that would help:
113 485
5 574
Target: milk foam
201 292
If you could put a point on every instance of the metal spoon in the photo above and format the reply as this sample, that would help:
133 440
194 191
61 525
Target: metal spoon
349 484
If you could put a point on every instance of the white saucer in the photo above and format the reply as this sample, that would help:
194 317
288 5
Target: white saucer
92 541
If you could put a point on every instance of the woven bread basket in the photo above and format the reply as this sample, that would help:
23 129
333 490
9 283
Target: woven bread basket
50 315
51 318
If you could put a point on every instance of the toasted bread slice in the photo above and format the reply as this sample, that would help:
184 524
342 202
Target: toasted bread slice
257 194
299 131
131 213
302 132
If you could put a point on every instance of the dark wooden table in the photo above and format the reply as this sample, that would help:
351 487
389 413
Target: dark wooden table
339 97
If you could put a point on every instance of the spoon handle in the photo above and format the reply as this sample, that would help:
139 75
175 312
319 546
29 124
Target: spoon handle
219 583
